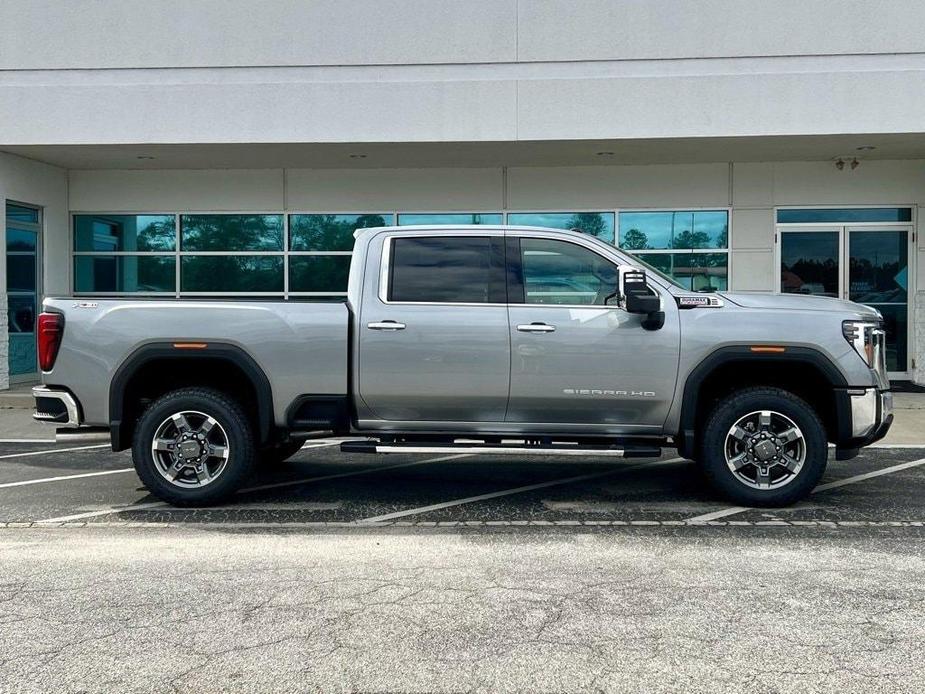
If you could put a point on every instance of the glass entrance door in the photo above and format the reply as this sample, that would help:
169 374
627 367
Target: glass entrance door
810 261
23 227
868 264
878 275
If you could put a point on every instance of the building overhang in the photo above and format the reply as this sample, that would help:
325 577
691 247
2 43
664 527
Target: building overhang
366 155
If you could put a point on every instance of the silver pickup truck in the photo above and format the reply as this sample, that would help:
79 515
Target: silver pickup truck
486 339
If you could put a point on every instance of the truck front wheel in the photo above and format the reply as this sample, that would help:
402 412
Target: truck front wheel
193 446
763 447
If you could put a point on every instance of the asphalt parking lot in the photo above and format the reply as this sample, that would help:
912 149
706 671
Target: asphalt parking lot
457 573
53 485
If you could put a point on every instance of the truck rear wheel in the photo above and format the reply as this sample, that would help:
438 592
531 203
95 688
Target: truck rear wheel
193 446
763 447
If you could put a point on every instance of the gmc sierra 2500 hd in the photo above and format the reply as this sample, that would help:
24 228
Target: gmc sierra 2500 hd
486 339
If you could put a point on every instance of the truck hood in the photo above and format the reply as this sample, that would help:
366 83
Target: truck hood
801 302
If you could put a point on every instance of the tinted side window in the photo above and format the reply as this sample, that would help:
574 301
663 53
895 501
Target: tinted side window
556 272
445 269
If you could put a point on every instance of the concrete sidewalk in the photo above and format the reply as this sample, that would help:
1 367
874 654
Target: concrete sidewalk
16 418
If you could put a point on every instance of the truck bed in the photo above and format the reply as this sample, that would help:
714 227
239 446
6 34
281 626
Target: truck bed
301 346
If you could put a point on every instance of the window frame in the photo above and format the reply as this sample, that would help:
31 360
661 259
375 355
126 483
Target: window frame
497 264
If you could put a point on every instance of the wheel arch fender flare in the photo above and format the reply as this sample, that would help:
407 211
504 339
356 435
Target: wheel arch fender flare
730 354
215 351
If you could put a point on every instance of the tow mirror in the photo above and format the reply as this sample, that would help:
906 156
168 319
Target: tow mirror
638 297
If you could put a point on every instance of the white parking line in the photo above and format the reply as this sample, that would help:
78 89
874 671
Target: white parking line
42 480
62 478
103 512
896 445
509 492
733 510
27 440
291 483
338 475
53 450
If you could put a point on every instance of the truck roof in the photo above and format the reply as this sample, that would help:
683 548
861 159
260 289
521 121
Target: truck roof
449 228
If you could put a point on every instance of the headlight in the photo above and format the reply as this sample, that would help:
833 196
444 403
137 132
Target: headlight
860 334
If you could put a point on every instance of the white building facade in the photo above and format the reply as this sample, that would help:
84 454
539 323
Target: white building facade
163 148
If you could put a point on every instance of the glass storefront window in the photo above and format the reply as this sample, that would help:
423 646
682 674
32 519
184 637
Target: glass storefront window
845 214
20 273
231 232
699 272
144 274
599 224
19 213
319 273
674 230
21 314
450 218
244 253
330 232
676 236
231 273
126 232
20 240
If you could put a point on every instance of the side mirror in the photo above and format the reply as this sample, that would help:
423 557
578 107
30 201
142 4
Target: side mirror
639 298
637 302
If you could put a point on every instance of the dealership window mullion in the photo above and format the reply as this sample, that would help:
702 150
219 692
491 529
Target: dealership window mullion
285 257
176 260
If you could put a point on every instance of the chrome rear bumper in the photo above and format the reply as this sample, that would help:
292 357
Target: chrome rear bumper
55 406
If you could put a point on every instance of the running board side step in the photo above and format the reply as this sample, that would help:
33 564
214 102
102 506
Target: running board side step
494 449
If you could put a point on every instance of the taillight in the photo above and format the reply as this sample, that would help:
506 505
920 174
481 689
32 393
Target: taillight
51 330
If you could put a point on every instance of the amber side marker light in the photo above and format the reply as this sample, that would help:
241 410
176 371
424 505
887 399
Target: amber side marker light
190 345
768 348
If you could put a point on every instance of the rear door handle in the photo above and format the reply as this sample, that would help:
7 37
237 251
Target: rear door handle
386 325
536 328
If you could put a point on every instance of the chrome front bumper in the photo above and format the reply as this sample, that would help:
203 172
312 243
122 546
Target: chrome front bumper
55 406
871 412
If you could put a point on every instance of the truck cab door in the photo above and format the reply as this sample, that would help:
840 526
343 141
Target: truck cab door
432 335
578 361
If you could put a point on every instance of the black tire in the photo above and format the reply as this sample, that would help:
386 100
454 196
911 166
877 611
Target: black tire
280 452
235 427
713 446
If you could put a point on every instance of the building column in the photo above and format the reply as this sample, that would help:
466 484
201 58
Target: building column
917 326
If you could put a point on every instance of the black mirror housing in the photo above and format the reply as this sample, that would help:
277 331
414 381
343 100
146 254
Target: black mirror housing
639 298
642 300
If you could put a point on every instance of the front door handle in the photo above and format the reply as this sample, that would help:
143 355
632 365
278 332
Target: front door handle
386 325
536 328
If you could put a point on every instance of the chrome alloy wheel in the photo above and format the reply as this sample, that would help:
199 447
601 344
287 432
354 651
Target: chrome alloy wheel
765 450
190 449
